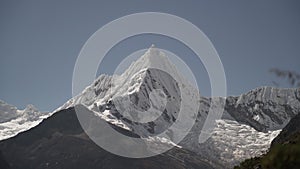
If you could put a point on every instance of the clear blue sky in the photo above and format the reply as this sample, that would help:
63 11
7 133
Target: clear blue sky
40 41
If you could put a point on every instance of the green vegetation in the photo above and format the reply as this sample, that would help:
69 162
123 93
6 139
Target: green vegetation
284 155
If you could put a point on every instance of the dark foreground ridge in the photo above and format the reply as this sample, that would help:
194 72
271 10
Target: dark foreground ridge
59 142
283 153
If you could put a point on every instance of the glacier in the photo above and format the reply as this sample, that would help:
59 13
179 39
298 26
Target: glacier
249 122
248 125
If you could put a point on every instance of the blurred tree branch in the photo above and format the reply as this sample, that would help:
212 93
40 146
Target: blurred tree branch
292 77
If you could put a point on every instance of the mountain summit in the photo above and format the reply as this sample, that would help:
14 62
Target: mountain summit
150 87
153 87
261 112
14 121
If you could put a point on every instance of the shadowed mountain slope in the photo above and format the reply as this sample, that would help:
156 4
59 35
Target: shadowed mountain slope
59 142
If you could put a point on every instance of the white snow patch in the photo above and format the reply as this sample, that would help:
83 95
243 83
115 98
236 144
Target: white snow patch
14 121
232 142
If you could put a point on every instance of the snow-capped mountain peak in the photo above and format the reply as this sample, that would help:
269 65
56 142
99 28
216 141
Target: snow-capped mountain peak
152 84
259 113
14 121
106 87
30 108
156 59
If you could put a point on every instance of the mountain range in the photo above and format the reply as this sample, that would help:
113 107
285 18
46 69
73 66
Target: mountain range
247 128
14 121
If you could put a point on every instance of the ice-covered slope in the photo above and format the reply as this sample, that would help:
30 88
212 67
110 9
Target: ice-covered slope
249 123
150 84
14 121
106 87
232 142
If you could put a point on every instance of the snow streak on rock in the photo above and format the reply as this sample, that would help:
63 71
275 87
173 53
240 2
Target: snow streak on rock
249 124
14 121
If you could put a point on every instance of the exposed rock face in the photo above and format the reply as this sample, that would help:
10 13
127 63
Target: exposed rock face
250 120
265 108
249 124
284 151
60 142
152 87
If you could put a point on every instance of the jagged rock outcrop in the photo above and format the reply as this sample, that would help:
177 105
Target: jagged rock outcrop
248 125
60 142
152 87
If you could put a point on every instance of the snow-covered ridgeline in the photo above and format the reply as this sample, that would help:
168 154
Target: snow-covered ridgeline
249 123
14 121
